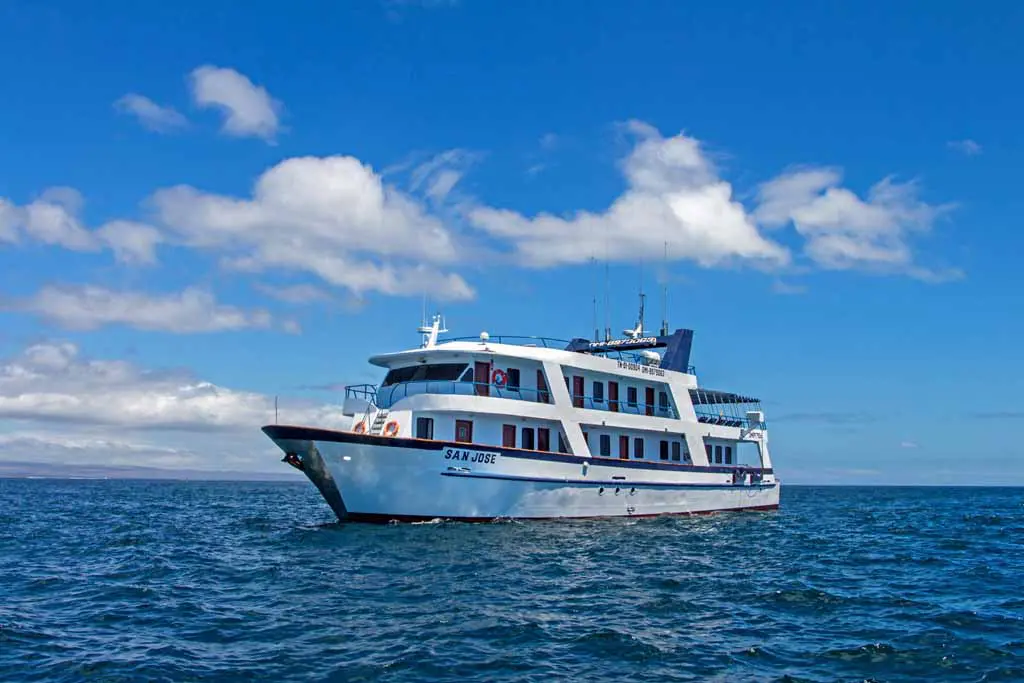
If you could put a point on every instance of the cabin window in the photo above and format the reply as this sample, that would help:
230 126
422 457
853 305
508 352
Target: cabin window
513 380
728 455
718 455
508 436
613 396
562 446
707 448
424 428
598 392
586 438
577 391
676 450
624 447
444 372
606 445
649 400
663 402
631 397
542 388
528 438
638 448
543 439
467 376
464 431
663 450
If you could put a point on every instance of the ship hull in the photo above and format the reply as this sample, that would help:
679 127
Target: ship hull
380 479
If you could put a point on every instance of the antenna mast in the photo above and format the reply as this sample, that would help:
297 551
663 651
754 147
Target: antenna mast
664 294
593 263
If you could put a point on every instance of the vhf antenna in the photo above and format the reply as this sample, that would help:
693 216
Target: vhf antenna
664 294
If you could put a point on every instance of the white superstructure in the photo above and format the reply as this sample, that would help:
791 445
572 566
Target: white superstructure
494 427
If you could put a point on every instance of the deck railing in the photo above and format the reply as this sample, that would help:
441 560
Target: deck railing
708 416
560 344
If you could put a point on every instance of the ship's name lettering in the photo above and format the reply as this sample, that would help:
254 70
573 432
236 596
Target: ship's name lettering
482 457
642 369
622 342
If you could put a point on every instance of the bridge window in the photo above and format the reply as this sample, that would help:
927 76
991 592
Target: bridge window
445 372
508 436
562 446
707 448
606 445
613 396
513 379
424 428
676 450
598 392
638 448
631 397
663 452
464 431
728 455
718 455
528 438
543 439
624 447
663 402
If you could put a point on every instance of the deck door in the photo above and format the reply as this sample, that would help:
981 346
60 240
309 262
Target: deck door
577 391
649 400
464 431
624 448
613 396
482 378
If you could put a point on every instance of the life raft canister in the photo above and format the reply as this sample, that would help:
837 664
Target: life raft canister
360 428
391 429
499 377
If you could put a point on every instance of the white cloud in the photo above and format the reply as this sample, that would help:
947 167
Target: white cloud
248 109
968 147
329 216
189 311
63 407
50 219
908 444
673 196
132 243
150 114
843 231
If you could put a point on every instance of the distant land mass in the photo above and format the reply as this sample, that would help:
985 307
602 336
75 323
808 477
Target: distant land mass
23 470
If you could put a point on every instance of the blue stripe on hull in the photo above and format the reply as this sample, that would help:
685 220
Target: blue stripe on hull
617 483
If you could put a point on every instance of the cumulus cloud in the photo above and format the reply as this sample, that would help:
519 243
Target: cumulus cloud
674 195
329 216
248 109
189 311
843 231
53 219
150 114
67 406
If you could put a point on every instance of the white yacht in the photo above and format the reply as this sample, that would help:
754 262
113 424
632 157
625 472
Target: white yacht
494 427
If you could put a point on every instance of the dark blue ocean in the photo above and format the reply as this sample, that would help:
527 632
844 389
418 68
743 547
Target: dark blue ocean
169 581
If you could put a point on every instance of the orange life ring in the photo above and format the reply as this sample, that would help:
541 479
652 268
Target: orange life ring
360 428
499 377
391 429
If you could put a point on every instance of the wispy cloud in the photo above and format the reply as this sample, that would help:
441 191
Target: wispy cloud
966 146
150 114
908 444
89 307
780 287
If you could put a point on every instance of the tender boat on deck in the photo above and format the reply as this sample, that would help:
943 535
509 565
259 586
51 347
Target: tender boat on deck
486 428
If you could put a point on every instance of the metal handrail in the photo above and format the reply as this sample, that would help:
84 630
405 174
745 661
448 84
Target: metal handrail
546 342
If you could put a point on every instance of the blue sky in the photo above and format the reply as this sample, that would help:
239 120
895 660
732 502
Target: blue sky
203 208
